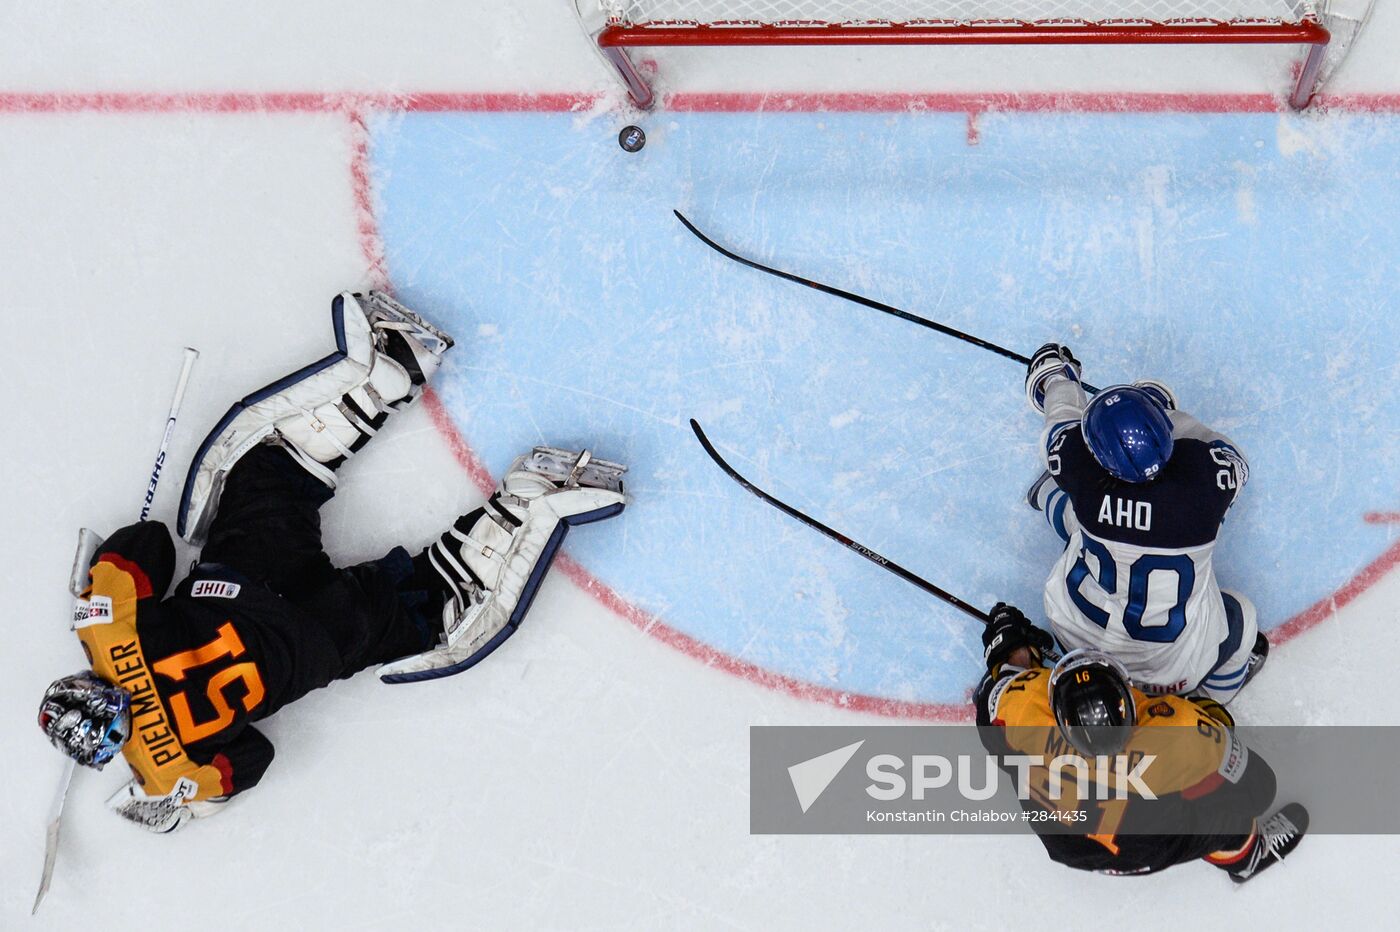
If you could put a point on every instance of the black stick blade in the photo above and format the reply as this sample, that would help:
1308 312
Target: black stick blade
835 535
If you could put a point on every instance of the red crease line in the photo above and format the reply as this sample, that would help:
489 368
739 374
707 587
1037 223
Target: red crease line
372 246
1326 608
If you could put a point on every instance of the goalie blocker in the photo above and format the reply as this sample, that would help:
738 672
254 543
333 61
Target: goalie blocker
493 559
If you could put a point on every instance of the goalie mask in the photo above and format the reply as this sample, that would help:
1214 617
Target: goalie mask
86 718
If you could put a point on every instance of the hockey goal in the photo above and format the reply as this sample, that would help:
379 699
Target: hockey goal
618 25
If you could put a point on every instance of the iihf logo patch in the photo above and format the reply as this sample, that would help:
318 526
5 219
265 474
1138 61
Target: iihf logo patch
214 589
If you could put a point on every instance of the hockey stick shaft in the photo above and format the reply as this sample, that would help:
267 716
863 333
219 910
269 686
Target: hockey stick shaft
51 832
842 539
186 366
862 300
55 825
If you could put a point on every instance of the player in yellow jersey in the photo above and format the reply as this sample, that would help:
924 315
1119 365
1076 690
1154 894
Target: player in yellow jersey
1164 778
179 677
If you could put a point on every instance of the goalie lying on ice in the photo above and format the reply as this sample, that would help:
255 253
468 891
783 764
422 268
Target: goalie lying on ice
264 617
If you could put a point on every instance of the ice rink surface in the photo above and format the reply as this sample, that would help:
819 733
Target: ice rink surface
245 166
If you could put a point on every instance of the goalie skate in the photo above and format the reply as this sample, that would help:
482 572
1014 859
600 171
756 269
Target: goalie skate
571 468
493 560
327 411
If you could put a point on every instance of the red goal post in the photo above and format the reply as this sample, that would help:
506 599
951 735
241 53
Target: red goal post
619 25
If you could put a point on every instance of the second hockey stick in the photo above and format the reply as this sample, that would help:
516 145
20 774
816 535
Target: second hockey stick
862 300
842 539
191 354
88 543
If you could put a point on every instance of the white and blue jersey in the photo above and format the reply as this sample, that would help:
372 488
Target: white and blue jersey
1136 578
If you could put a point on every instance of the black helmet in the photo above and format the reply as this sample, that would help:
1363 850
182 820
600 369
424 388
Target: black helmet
86 718
1092 701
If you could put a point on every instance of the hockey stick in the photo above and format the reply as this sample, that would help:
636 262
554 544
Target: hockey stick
51 832
191 354
87 545
860 299
835 535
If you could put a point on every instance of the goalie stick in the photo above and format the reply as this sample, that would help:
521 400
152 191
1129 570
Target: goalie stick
88 542
835 535
862 300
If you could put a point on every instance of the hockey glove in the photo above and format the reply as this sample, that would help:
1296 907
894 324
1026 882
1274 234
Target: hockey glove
162 814
1007 632
1051 361
1214 709
1159 392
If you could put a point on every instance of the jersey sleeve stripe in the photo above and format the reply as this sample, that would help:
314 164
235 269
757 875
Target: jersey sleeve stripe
225 769
1230 675
1055 430
139 579
1227 679
1055 514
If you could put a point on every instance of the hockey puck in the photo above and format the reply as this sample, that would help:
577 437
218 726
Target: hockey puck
631 139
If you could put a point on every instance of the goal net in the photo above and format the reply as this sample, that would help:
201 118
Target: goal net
618 25
819 13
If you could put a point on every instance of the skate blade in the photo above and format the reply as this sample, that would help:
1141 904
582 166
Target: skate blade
575 468
388 307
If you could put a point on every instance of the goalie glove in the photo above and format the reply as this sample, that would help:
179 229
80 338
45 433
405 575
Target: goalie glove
1007 631
1051 361
163 814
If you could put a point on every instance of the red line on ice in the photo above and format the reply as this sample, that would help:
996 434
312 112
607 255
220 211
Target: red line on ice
297 102
974 132
366 224
687 101
1326 608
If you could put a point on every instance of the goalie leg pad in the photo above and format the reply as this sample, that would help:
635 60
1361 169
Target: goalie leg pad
493 560
327 411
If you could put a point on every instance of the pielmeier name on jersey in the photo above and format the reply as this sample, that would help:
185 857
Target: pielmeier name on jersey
1136 578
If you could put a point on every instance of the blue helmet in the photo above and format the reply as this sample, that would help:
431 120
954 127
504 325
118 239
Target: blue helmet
1128 432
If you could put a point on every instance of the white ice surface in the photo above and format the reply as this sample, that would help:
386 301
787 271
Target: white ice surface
587 776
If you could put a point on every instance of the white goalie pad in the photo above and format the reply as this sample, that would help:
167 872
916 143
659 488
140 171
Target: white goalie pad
496 557
324 412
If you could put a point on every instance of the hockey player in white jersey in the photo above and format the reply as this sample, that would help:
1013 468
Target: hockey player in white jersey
1138 490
